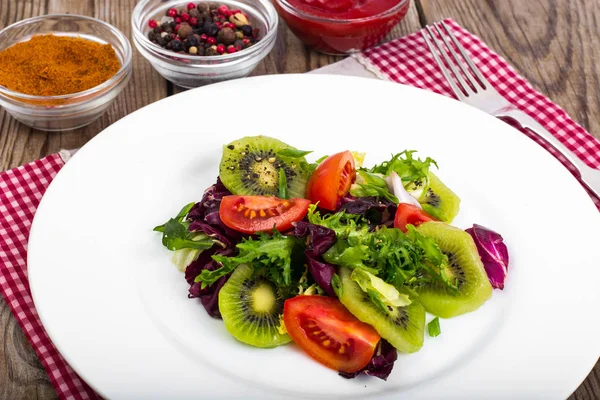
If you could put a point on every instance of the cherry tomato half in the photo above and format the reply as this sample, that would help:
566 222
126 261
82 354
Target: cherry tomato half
329 333
332 180
409 214
251 214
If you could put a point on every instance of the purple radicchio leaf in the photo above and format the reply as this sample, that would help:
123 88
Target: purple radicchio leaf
320 240
210 230
381 364
322 273
206 212
208 296
493 253
377 211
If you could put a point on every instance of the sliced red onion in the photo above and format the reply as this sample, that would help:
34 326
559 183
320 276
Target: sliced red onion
493 253
397 188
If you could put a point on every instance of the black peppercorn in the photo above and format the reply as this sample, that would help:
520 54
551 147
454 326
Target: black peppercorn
157 30
194 13
151 36
211 29
168 37
202 7
161 41
213 6
176 45
239 45
191 41
199 30
247 30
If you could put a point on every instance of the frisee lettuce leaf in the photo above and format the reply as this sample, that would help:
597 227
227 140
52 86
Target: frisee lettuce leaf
399 259
268 254
408 168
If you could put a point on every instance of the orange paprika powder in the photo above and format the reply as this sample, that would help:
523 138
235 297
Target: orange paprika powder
50 65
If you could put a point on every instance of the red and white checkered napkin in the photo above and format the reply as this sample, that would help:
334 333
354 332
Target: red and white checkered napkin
21 190
406 60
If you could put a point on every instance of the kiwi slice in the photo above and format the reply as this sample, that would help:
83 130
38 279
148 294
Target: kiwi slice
251 165
464 265
403 327
251 308
439 201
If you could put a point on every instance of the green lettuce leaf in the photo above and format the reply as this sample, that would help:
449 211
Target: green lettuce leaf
271 255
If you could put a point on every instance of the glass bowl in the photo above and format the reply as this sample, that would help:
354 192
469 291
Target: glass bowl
190 71
341 36
70 111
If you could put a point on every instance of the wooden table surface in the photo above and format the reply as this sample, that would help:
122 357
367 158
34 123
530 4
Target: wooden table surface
555 44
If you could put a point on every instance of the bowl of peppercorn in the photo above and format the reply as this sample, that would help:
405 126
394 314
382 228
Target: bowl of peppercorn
196 43
61 72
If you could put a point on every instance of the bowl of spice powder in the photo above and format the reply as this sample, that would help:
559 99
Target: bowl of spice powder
60 72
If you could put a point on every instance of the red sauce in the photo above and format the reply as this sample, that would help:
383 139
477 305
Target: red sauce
343 9
341 26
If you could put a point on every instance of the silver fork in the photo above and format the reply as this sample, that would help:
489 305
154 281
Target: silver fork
479 93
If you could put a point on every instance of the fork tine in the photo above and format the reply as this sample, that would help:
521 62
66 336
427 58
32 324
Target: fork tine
475 85
458 92
463 52
466 89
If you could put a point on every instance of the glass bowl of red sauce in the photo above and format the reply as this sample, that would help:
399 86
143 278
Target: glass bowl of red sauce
341 26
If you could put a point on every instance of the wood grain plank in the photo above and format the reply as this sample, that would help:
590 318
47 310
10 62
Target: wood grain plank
20 144
21 373
554 44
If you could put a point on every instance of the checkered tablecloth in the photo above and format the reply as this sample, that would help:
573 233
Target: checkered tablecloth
406 60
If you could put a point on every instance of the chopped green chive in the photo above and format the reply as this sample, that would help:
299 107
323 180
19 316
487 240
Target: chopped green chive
282 184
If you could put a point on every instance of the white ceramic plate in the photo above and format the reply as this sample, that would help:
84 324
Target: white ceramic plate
118 310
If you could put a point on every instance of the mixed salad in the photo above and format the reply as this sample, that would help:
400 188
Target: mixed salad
341 259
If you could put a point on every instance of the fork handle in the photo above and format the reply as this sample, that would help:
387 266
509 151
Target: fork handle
589 176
